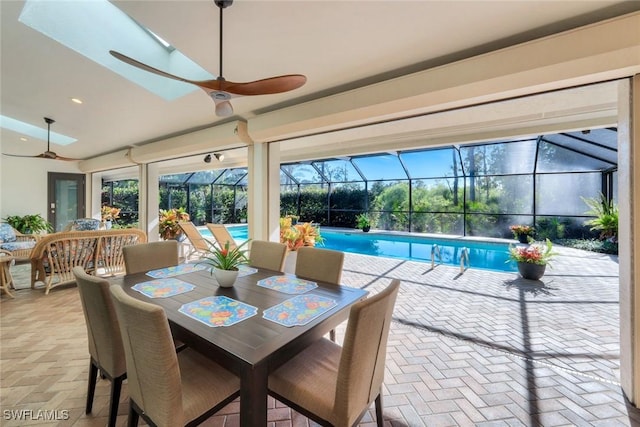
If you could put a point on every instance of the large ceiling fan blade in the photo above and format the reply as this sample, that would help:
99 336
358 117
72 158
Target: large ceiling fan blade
261 87
145 67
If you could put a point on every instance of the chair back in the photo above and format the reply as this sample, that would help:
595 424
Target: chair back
269 255
149 256
222 235
83 224
324 265
154 374
197 241
364 350
105 342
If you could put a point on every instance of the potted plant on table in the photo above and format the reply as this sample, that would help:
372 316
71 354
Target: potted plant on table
522 232
363 222
532 260
109 214
224 262
168 225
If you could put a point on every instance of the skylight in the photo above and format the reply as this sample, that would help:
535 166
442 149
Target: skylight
34 131
92 28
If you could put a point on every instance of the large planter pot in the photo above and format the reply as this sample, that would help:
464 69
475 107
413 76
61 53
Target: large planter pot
523 238
366 228
225 278
531 271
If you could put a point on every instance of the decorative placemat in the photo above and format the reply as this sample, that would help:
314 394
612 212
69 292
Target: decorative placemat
299 310
245 270
218 311
287 284
175 270
163 288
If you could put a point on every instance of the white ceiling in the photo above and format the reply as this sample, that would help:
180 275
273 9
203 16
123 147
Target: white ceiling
338 45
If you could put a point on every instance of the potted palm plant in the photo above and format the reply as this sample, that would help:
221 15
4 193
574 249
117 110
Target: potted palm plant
29 224
223 262
363 222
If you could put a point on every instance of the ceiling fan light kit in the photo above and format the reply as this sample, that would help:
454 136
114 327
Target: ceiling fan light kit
221 90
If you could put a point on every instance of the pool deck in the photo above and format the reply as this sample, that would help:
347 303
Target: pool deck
478 348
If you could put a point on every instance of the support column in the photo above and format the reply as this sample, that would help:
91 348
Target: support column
629 235
149 201
263 209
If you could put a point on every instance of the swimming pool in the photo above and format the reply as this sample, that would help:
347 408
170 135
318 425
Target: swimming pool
482 254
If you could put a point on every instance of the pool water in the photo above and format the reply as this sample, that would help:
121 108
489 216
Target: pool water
483 255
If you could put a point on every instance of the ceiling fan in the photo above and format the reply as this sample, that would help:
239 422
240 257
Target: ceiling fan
47 154
222 90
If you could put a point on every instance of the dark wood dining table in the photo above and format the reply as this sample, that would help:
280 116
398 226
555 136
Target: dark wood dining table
254 347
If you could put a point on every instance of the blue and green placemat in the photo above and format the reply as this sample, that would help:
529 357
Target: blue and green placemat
218 311
287 284
163 288
299 310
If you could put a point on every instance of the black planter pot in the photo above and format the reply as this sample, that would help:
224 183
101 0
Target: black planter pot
523 238
366 228
531 271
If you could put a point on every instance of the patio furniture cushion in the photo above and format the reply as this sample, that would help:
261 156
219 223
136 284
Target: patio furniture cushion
83 224
7 233
16 246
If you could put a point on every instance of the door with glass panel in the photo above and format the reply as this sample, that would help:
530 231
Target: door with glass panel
66 198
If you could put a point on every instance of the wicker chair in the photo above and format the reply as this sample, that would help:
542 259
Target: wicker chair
334 385
18 244
167 388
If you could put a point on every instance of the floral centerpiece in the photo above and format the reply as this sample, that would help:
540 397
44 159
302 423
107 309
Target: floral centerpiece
298 235
532 259
224 262
522 232
169 219
109 213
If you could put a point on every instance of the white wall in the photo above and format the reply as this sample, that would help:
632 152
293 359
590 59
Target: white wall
23 184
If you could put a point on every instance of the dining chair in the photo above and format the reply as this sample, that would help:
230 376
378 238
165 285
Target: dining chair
167 388
324 265
199 245
150 256
105 343
222 235
333 385
269 255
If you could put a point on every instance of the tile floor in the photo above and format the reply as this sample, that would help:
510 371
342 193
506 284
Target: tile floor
472 349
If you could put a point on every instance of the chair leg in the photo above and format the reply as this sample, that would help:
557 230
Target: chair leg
379 419
133 416
93 377
332 335
116 387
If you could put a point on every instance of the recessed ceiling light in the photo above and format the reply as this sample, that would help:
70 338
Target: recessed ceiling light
22 138
76 100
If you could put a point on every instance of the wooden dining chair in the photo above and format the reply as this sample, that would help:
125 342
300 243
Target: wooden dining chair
150 256
222 235
269 255
333 385
167 388
199 246
105 343
324 265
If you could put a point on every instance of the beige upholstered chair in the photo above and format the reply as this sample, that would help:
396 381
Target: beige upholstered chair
149 256
269 255
105 343
222 235
167 388
324 265
333 385
199 245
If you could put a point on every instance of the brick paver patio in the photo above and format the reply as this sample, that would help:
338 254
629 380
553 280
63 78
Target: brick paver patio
478 348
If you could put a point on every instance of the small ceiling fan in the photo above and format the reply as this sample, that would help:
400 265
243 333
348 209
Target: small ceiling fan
222 90
47 154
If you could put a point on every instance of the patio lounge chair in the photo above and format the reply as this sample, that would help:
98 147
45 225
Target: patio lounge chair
199 245
222 235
